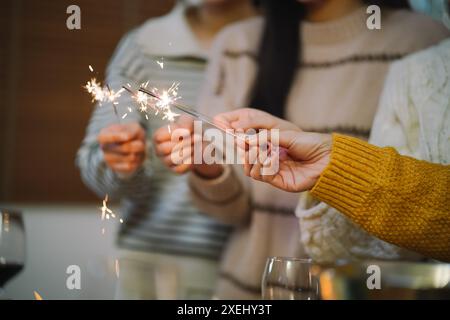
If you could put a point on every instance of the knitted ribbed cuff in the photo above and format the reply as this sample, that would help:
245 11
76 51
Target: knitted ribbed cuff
353 171
220 190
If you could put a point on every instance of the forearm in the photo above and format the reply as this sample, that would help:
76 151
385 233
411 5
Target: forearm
223 198
396 198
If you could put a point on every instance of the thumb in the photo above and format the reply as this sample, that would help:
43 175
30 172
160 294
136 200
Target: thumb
185 121
283 139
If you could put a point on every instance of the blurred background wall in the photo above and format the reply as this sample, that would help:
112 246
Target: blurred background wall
43 114
43 108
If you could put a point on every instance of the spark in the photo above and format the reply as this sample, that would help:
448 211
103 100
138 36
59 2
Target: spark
102 93
107 213
116 262
95 89
141 99
37 296
158 102
170 116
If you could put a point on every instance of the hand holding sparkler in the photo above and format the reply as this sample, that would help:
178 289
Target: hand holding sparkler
302 156
165 147
123 146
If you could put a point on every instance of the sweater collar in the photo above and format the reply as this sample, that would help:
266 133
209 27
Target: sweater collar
170 36
335 31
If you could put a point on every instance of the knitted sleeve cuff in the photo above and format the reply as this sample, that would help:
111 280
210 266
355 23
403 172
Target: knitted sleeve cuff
221 190
352 174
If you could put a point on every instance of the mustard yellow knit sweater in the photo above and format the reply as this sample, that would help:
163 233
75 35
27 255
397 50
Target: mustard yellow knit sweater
396 198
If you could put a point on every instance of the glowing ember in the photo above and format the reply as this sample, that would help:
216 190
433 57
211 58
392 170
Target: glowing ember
158 101
37 296
164 101
100 93
107 213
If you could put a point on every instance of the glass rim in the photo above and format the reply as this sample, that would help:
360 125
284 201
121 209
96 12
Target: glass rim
295 259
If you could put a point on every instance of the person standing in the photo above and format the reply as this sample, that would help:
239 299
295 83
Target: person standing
162 230
317 65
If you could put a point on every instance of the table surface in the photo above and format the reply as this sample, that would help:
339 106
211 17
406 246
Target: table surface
60 235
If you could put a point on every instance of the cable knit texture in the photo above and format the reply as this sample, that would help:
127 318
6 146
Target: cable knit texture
397 198
413 117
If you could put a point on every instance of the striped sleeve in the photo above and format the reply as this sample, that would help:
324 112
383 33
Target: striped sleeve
124 67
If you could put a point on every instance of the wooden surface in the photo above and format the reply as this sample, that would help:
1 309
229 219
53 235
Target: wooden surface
43 108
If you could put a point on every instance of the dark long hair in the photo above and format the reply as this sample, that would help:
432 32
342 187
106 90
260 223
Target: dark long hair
280 51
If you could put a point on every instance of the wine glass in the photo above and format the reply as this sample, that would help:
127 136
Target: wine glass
289 279
12 245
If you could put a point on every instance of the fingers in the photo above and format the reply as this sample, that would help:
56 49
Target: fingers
227 118
164 148
248 118
119 133
182 165
123 147
124 163
125 167
134 146
162 135
114 158
185 121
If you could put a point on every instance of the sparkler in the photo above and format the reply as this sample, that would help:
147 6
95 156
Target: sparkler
107 213
102 93
159 101
166 101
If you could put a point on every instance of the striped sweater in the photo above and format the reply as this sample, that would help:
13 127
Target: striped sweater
157 209
337 88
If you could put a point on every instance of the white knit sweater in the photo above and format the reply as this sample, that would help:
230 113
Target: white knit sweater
337 88
413 117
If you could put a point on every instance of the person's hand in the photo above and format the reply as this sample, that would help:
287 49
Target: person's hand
300 157
123 147
248 118
169 147
166 144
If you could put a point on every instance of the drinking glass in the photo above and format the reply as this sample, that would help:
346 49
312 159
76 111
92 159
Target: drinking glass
12 245
289 279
